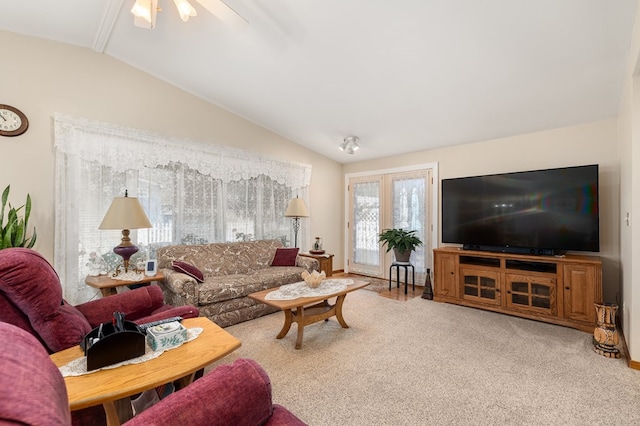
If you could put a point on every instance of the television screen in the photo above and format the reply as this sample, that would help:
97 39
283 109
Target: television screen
538 212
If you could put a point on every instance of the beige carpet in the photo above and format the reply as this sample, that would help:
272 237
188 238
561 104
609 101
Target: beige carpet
420 362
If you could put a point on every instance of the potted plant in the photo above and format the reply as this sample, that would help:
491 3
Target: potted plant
13 233
402 242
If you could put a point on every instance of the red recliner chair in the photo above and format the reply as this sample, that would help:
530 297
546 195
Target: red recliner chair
32 392
31 299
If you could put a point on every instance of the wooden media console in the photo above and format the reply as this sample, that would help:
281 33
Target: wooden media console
555 289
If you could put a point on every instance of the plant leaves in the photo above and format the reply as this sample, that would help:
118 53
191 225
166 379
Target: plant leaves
14 233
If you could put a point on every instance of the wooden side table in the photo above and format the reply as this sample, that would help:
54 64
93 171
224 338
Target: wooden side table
107 285
325 260
109 386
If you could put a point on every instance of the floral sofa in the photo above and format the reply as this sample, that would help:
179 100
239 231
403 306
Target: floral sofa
217 278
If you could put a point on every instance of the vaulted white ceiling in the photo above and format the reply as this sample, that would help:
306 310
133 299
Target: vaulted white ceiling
403 76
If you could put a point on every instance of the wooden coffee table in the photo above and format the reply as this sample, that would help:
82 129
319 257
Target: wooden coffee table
108 387
308 310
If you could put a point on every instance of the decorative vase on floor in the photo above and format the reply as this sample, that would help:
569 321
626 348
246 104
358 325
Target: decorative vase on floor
605 335
428 289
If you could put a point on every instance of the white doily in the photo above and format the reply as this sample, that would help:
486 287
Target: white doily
129 276
301 289
78 367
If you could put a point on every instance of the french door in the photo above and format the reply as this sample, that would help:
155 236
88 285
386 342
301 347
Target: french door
399 199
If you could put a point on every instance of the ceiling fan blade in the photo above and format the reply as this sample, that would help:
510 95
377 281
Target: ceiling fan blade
223 12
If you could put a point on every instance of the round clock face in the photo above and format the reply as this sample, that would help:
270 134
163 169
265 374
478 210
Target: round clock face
12 121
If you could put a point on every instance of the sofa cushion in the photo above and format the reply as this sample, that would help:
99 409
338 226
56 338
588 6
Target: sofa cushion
285 257
188 269
219 289
279 275
217 259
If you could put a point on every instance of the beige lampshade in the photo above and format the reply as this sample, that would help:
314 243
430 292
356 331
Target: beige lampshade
296 208
125 213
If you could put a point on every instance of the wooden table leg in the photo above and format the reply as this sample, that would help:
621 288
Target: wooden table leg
287 324
118 412
183 381
301 324
338 308
108 291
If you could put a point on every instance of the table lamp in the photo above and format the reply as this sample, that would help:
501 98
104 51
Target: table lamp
296 209
125 213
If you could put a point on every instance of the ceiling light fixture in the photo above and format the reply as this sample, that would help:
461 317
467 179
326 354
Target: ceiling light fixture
185 9
350 144
144 12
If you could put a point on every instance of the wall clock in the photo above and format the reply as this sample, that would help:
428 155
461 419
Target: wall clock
13 122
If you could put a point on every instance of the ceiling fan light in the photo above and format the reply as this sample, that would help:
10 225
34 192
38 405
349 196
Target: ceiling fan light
185 10
222 11
144 12
142 9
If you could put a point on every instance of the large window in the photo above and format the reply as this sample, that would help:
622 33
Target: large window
192 193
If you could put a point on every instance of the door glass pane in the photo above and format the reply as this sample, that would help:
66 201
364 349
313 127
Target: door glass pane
366 216
487 282
520 287
540 289
409 214
541 303
520 299
488 294
471 279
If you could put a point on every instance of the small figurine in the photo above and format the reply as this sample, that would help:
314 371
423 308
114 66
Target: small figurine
97 265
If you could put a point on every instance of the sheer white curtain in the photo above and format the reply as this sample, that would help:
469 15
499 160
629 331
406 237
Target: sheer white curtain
192 192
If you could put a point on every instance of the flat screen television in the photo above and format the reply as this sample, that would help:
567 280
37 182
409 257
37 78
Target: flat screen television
542 212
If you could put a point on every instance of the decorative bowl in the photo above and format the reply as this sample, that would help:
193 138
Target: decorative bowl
313 279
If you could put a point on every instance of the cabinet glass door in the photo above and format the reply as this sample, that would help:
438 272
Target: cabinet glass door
531 293
481 286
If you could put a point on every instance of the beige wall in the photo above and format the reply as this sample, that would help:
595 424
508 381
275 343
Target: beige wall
44 77
629 124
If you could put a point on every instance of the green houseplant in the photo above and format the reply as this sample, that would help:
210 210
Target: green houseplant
13 232
402 242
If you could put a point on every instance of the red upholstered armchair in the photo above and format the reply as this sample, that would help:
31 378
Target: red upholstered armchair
32 392
31 298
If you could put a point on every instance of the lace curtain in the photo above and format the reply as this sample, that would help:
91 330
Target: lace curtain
192 193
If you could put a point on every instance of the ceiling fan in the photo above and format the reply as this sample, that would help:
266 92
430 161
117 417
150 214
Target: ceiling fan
144 12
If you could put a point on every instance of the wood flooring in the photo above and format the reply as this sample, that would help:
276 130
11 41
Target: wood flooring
395 293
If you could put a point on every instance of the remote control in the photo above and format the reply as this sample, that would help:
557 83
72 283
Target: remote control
145 326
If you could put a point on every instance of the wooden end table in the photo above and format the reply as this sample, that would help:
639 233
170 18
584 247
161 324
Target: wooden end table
107 285
109 387
308 310
325 260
